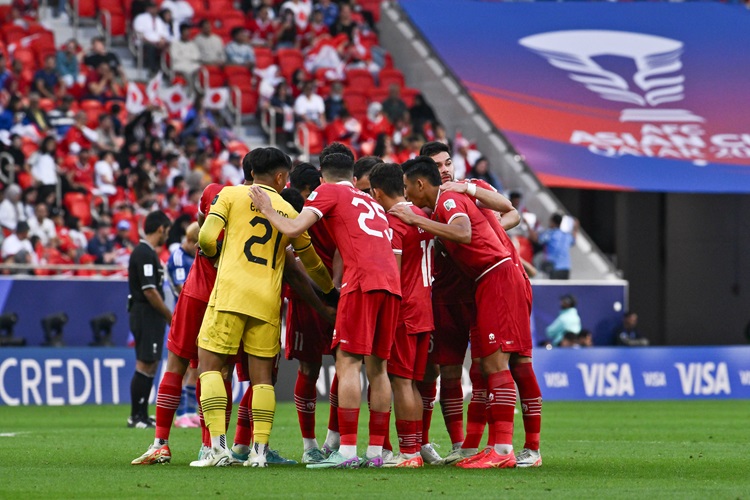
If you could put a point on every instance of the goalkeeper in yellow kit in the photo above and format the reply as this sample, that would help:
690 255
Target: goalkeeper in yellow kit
245 304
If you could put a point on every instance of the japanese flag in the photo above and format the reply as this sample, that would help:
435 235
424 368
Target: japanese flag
135 101
175 98
153 89
216 98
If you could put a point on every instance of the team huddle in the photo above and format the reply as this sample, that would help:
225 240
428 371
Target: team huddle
394 267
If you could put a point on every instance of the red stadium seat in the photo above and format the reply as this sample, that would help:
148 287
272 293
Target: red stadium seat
408 94
79 205
26 56
115 23
86 8
200 9
242 82
360 79
389 76
211 76
47 104
249 101
377 94
314 135
93 109
225 21
263 57
290 60
113 6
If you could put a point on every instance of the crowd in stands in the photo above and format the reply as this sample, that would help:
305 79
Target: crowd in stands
72 157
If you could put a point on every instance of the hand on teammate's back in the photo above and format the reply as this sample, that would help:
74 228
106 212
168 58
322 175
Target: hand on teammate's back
260 198
403 212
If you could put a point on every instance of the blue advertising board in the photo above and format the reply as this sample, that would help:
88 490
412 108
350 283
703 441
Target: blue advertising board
640 96
72 376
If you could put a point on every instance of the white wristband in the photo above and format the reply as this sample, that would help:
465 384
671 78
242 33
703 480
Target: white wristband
471 189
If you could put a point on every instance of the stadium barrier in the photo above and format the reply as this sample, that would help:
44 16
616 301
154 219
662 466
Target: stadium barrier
32 299
76 376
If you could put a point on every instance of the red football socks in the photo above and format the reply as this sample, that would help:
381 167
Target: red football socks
348 421
407 436
228 412
531 402
501 397
428 390
205 434
305 397
476 415
243 434
167 401
452 405
379 423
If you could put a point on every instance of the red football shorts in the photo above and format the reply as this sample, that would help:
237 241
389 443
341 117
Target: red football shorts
409 354
308 335
453 322
186 323
502 314
366 323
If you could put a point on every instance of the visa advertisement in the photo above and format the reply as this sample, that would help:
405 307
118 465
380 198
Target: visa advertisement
618 96
75 376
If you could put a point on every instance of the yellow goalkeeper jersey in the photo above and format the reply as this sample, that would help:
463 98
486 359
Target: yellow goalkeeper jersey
252 258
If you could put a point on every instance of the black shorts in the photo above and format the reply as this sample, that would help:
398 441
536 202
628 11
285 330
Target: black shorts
148 328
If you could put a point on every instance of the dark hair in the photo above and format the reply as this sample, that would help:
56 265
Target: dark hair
304 175
434 147
514 194
335 147
266 161
424 167
557 219
389 178
154 221
364 165
236 31
568 299
379 149
203 22
247 168
338 165
294 198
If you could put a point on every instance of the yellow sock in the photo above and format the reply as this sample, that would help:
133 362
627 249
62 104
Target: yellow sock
214 402
264 407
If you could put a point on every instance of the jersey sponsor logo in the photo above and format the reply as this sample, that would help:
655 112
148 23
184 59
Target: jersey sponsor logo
704 379
449 205
312 196
148 269
654 379
216 198
606 379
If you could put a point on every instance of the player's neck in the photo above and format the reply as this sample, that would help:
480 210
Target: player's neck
153 239
265 183
387 202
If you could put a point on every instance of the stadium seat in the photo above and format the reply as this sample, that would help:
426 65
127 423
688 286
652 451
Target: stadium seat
408 94
225 21
200 9
26 56
211 76
113 23
360 79
79 205
373 6
93 109
12 33
389 76
290 60
248 101
314 135
377 94
239 76
113 6
47 104
263 57
86 8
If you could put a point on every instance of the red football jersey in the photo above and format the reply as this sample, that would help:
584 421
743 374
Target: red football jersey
360 231
323 243
202 276
451 285
485 249
416 248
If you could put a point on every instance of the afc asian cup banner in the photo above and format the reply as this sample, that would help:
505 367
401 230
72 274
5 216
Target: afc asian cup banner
75 376
624 96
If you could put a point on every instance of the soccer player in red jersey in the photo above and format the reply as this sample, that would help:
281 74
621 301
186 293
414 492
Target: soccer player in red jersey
502 326
369 304
413 248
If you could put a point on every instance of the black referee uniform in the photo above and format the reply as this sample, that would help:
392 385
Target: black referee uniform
147 324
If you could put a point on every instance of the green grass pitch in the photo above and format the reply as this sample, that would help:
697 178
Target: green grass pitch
696 449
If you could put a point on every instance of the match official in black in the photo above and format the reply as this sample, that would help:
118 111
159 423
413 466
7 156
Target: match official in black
149 315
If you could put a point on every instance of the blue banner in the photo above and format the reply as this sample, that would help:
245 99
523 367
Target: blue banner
637 96
70 376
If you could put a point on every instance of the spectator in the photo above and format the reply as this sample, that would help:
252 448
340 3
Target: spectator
481 170
18 84
11 208
231 172
185 55
285 35
181 10
107 137
556 244
4 72
105 85
67 64
283 103
422 113
122 244
463 158
567 321
26 8
317 29
309 107
585 338
99 54
330 11
46 81
262 27
34 115
44 168
154 36
345 22
569 339
210 45
302 9
384 149
394 107
334 103
17 248
42 226
79 172
61 117
376 123
441 135
239 51
102 245
627 334
79 136
104 174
